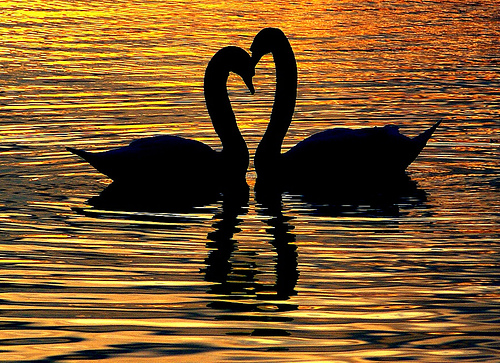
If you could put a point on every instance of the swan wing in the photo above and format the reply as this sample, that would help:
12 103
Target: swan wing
351 151
157 157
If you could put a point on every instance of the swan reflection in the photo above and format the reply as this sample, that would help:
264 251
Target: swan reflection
137 198
235 272
390 199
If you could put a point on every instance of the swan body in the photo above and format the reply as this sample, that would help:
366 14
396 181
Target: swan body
340 154
178 162
154 158
334 156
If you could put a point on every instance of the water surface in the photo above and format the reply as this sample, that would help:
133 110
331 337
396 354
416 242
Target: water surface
411 279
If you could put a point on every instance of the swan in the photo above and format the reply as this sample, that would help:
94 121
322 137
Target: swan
334 156
176 162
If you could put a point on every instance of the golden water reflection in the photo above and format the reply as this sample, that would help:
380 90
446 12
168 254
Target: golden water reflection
291 280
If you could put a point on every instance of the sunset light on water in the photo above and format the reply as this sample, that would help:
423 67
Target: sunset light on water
413 277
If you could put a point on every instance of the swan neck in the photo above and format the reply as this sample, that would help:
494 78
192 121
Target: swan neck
219 108
269 149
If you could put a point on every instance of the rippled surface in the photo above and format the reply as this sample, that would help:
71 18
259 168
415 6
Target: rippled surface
412 280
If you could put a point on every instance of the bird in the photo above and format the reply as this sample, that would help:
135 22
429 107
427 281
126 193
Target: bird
176 162
333 157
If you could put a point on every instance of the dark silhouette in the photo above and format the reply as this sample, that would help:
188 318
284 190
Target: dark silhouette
332 161
238 280
287 273
155 198
178 164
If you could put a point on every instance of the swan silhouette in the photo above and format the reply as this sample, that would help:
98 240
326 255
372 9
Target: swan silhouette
176 162
335 156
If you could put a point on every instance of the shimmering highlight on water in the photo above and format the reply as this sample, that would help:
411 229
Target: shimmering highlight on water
412 279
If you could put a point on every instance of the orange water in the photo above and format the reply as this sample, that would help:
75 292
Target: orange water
416 279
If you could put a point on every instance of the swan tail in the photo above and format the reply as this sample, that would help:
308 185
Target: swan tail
81 153
421 140
417 145
100 163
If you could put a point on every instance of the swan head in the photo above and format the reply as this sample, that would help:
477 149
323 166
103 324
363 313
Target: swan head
231 59
246 73
266 41
242 65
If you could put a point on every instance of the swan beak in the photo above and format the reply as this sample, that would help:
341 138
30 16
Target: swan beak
249 82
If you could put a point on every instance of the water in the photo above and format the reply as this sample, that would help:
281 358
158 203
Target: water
411 280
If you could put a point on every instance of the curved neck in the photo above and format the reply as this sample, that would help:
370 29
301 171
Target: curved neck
234 148
269 149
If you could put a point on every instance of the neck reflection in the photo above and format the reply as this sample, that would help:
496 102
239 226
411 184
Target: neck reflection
236 272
